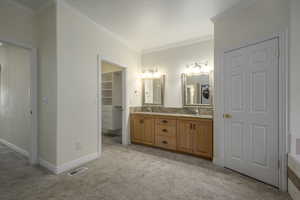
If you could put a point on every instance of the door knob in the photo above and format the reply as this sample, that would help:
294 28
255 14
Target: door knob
227 116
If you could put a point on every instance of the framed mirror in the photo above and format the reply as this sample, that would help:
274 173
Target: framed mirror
153 91
196 89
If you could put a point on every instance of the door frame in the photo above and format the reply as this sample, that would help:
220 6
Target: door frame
125 113
219 122
33 152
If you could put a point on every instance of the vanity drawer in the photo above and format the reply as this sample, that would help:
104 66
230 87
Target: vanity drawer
167 121
166 142
164 130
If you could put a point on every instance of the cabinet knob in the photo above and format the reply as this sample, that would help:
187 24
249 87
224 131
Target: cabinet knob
141 121
164 142
165 121
165 130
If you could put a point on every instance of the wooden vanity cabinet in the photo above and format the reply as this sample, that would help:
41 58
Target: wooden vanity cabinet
195 136
143 129
165 135
203 138
137 128
185 136
182 134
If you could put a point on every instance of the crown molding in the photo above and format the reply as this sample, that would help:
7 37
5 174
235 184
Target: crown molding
31 11
99 26
178 44
21 6
47 4
237 7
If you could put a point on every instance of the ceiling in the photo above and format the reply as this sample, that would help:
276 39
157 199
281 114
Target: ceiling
147 24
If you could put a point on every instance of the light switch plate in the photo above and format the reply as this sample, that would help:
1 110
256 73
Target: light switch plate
45 100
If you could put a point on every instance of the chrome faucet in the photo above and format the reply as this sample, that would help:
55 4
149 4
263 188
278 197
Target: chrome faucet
198 110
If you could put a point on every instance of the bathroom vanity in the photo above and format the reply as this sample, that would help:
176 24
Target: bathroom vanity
192 134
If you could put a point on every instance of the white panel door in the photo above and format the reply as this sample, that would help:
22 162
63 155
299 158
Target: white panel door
251 105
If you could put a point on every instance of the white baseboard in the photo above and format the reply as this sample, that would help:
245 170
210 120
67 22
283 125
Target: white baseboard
76 163
69 165
293 191
51 167
219 162
294 164
15 148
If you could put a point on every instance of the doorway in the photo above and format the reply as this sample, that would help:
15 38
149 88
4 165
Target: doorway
18 120
252 110
112 102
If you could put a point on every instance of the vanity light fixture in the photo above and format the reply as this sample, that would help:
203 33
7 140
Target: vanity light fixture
150 73
198 68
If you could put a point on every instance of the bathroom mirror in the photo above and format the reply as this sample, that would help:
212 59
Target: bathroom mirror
196 89
153 91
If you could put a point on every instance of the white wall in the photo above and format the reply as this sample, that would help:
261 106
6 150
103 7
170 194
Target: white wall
21 25
47 78
15 123
260 20
294 76
16 24
172 62
294 157
80 40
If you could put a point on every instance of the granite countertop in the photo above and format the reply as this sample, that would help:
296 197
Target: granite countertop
176 115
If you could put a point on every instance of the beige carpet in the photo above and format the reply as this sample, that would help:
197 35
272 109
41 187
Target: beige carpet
132 173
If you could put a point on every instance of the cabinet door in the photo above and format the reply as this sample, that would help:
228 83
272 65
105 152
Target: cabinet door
137 127
184 136
203 139
149 130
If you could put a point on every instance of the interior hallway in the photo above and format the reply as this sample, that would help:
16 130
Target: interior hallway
130 173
